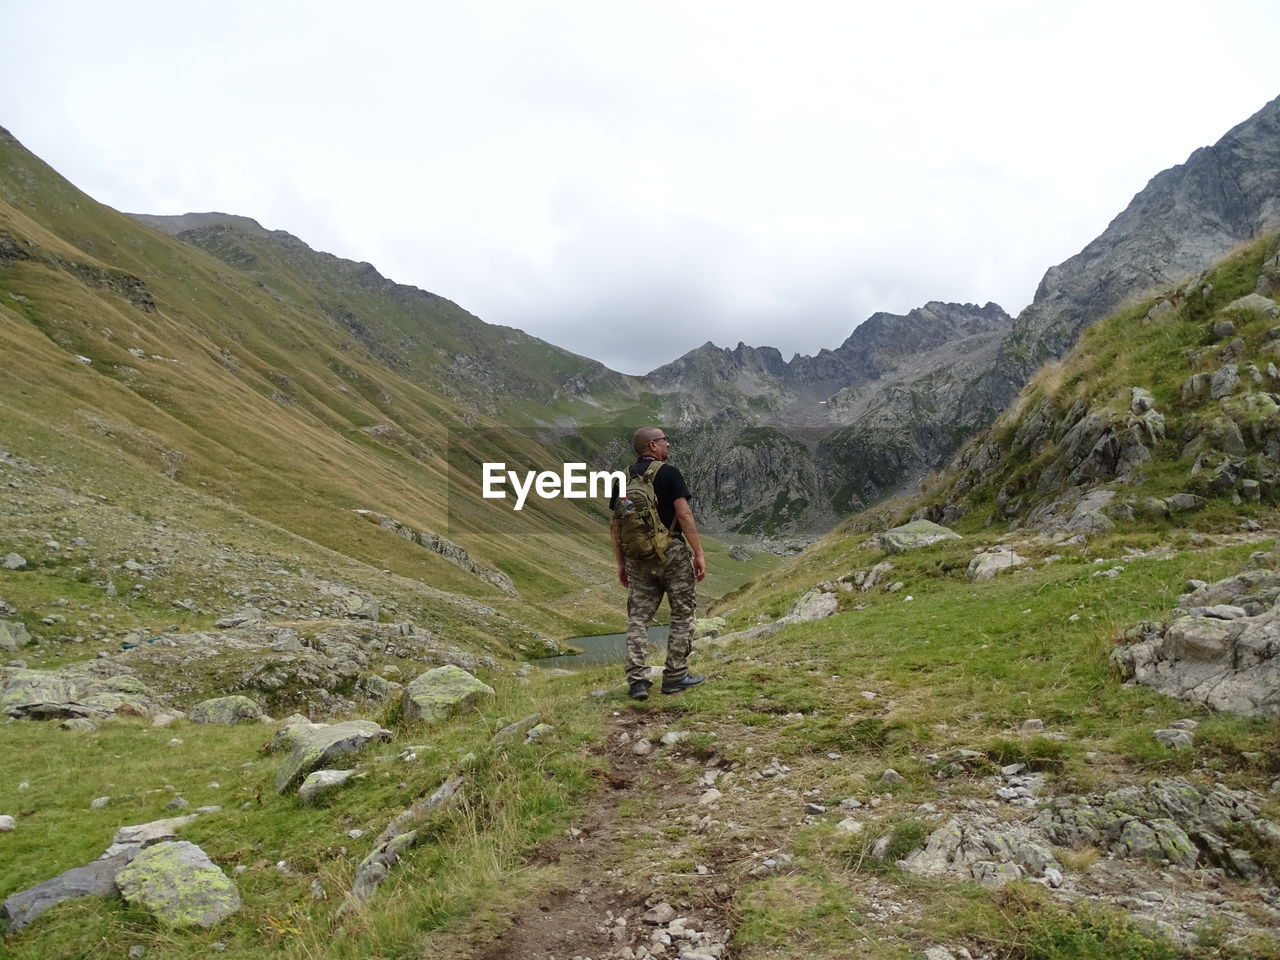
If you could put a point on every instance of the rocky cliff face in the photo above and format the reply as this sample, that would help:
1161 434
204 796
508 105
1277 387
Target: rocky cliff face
787 446
901 394
1185 219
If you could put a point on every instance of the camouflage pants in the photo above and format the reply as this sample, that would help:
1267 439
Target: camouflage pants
675 579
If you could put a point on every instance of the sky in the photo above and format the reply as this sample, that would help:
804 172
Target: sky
629 181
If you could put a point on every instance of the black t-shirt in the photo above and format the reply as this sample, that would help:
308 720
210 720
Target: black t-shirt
668 487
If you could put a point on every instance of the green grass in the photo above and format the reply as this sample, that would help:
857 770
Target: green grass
514 796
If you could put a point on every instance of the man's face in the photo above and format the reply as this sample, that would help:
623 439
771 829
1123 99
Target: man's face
660 448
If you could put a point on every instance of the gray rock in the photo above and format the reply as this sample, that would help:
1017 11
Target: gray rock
314 747
539 732
992 854
359 606
521 726
13 635
890 777
394 840
1224 381
96 879
131 839
440 693
179 885
1254 303
76 690
814 605
285 737
226 711
660 915
13 561
321 782
7 824
987 564
1186 502
1175 739
913 536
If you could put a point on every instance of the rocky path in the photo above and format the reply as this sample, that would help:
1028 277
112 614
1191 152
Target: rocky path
611 897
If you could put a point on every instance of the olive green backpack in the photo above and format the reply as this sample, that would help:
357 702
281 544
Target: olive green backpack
642 534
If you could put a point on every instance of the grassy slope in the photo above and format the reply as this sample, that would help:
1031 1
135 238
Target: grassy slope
957 665
262 403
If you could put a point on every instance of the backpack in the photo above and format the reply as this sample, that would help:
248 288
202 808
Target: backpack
641 533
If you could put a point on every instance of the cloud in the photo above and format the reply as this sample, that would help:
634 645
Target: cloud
629 182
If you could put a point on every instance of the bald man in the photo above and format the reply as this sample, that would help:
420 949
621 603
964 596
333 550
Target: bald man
676 578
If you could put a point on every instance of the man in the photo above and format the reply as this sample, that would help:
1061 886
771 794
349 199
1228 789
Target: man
646 583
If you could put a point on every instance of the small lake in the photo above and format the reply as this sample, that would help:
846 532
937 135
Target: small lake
605 648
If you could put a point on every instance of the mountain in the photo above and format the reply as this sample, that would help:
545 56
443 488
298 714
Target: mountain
416 333
1184 220
790 446
261 386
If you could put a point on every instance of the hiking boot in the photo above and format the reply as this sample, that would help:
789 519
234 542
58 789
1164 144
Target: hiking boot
689 680
639 690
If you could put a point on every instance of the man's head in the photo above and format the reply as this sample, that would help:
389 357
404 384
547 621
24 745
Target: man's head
651 442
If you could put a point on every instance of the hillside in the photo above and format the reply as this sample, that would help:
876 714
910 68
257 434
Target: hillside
853 426
176 411
902 750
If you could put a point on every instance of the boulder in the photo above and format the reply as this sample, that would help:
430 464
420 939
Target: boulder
987 564
13 635
709 627
914 535
13 561
226 711
134 838
442 692
1255 303
815 604
285 737
314 745
179 885
359 606
96 879
73 691
321 782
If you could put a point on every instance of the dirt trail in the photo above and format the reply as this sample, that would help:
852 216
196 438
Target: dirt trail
596 908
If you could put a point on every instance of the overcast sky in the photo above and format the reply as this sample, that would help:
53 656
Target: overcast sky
631 180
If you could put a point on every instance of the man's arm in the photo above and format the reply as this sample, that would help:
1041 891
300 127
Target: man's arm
617 552
684 513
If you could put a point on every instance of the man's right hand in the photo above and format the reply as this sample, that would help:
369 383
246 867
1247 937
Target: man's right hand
622 573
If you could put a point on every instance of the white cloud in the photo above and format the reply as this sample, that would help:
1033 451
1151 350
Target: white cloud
718 171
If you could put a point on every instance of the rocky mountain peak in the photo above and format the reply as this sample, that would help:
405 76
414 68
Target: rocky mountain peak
1186 218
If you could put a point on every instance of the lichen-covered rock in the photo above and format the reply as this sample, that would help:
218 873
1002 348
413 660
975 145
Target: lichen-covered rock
992 855
1224 651
1170 819
321 782
226 711
709 626
1255 303
286 736
359 606
814 604
73 691
315 745
914 535
442 692
13 635
987 564
179 885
